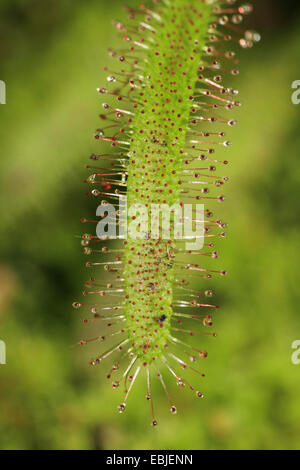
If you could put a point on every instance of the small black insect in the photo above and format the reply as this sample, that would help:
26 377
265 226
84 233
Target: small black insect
160 319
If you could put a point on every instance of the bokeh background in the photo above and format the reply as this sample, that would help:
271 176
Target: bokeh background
52 58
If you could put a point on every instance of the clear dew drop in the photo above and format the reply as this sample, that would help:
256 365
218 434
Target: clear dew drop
91 178
76 305
203 354
245 9
208 293
237 19
102 90
122 407
223 20
111 79
245 43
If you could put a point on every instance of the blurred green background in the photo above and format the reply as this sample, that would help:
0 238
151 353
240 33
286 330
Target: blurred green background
52 58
